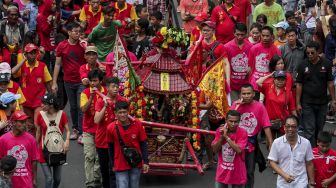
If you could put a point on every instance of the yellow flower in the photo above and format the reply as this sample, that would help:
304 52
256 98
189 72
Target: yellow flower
194 112
127 92
194 103
170 40
126 84
164 45
139 102
141 88
194 120
139 113
163 31
193 95
127 74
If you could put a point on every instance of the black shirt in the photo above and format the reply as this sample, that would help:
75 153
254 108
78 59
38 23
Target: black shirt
314 79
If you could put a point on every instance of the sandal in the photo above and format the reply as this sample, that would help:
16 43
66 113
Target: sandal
207 166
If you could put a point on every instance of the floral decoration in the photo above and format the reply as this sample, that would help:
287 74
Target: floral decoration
174 37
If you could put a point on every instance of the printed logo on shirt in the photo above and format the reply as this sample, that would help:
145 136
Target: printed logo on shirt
249 122
323 69
306 70
21 155
133 136
239 63
262 63
228 154
39 80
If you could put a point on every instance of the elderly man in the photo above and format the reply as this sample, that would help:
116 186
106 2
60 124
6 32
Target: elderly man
291 157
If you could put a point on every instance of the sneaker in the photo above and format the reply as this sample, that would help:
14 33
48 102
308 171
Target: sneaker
80 140
74 135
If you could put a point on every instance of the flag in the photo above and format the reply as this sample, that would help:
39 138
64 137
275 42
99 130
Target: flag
193 65
120 67
213 84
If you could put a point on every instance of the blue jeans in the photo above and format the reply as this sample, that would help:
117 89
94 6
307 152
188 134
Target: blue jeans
73 91
128 178
52 178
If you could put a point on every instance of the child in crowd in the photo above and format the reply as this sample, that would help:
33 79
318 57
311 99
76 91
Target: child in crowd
255 33
141 45
324 161
141 11
155 21
196 31
281 30
35 80
262 19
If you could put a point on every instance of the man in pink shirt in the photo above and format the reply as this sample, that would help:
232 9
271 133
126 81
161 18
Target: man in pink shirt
237 52
253 119
23 146
230 143
260 55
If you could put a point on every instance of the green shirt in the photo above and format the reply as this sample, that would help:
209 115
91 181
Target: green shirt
104 38
274 13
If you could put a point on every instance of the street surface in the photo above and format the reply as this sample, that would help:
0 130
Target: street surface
73 173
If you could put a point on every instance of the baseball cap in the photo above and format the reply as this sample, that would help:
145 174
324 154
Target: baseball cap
209 24
279 74
9 97
19 116
30 47
5 77
201 17
5 68
284 25
91 49
48 98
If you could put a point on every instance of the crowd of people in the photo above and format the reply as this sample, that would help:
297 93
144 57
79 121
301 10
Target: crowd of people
280 79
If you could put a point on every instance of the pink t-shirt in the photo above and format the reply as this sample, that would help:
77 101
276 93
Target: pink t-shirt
231 167
238 59
259 58
253 118
24 149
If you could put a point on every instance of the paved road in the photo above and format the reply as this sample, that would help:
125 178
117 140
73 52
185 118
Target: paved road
73 174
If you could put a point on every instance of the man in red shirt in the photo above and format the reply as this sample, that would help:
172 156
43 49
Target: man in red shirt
237 52
324 161
225 16
70 56
35 80
91 15
88 101
125 12
134 136
104 115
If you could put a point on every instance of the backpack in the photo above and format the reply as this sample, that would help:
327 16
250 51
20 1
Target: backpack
53 140
213 58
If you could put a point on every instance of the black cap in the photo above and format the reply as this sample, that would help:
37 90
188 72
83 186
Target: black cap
280 74
48 98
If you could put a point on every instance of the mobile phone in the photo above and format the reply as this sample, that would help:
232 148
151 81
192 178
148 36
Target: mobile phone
303 8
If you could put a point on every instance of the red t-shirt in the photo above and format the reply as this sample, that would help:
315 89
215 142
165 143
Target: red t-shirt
259 58
72 58
325 166
231 167
24 149
246 9
43 129
88 119
224 24
277 106
100 139
238 59
131 137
